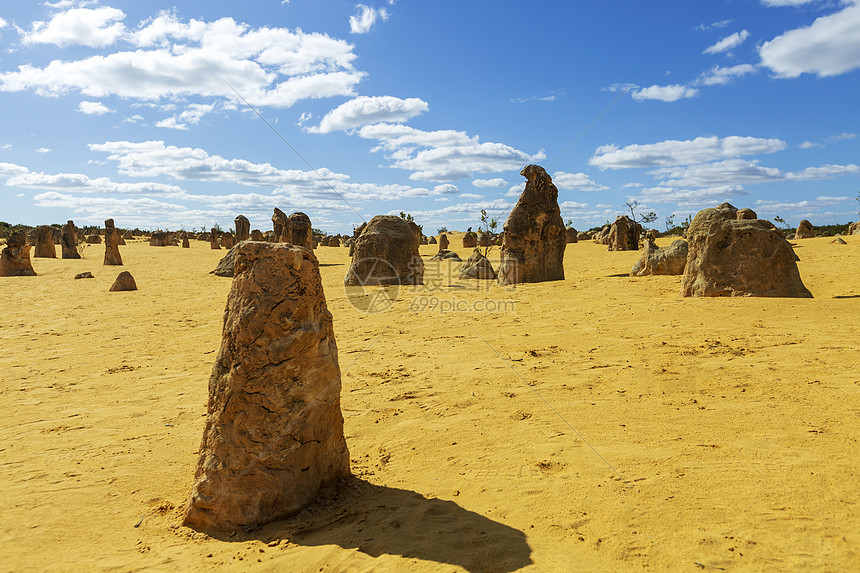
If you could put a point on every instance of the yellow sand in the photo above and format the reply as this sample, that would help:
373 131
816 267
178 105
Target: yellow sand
602 423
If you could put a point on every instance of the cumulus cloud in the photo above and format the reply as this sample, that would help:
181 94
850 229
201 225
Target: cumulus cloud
365 18
485 183
365 110
93 108
830 46
170 58
718 76
718 173
685 152
730 42
665 93
3 23
444 155
577 181
43 150
691 198
84 184
94 28
823 172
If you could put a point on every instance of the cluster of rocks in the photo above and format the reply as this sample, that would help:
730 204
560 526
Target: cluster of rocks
669 260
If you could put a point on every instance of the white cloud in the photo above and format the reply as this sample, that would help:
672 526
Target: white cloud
715 26
827 140
43 150
818 202
691 198
730 42
719 173
192 114
665 93
777 3
718 76
485 183
823 172
551 97
808 145
828 47
94 28
93 108
10 169
6 146
685 152
444 155
173 59
171 123
363 21
577 181
3 23
446 189
83 184
365 110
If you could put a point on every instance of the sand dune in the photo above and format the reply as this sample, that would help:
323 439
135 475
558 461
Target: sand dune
596 423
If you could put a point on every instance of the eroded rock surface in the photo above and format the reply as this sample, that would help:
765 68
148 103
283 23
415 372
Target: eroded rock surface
386 253
534 236
274 428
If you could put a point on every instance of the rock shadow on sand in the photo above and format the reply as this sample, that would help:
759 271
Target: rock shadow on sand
378 520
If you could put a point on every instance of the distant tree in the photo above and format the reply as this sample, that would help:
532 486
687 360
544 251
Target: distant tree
409 218
670 222
782 221
217 228
488 225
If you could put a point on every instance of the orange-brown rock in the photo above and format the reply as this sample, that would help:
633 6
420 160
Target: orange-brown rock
214 240
123 282
281 227
243 228
15 257
534 238
854 228
274 428
624 234
45 243
69 241
470 240
112 256
301 230
571 235
668 260
477 267
805 230
257 235
738 257
386 253
159 239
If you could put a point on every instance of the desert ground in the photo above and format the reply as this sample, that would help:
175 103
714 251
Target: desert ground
596 423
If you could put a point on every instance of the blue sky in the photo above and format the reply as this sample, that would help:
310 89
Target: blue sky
143 111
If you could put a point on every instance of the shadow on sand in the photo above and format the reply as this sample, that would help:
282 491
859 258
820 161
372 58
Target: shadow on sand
379 520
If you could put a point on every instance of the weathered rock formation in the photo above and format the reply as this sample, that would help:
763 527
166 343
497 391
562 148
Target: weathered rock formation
804 230
243 228
69 241
582 236
669 260
624 234
45 243
854 228
431 241
227 240
301 231
738 257
470 240
534 237
746 214
227 264
85 275
15 257
838 241
386 253
281 227
112 256
571 235
214 240
123 282
274 428
446 256
443 242
94 239
159 239
185 243
485 239
602 236
477 267
257 235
